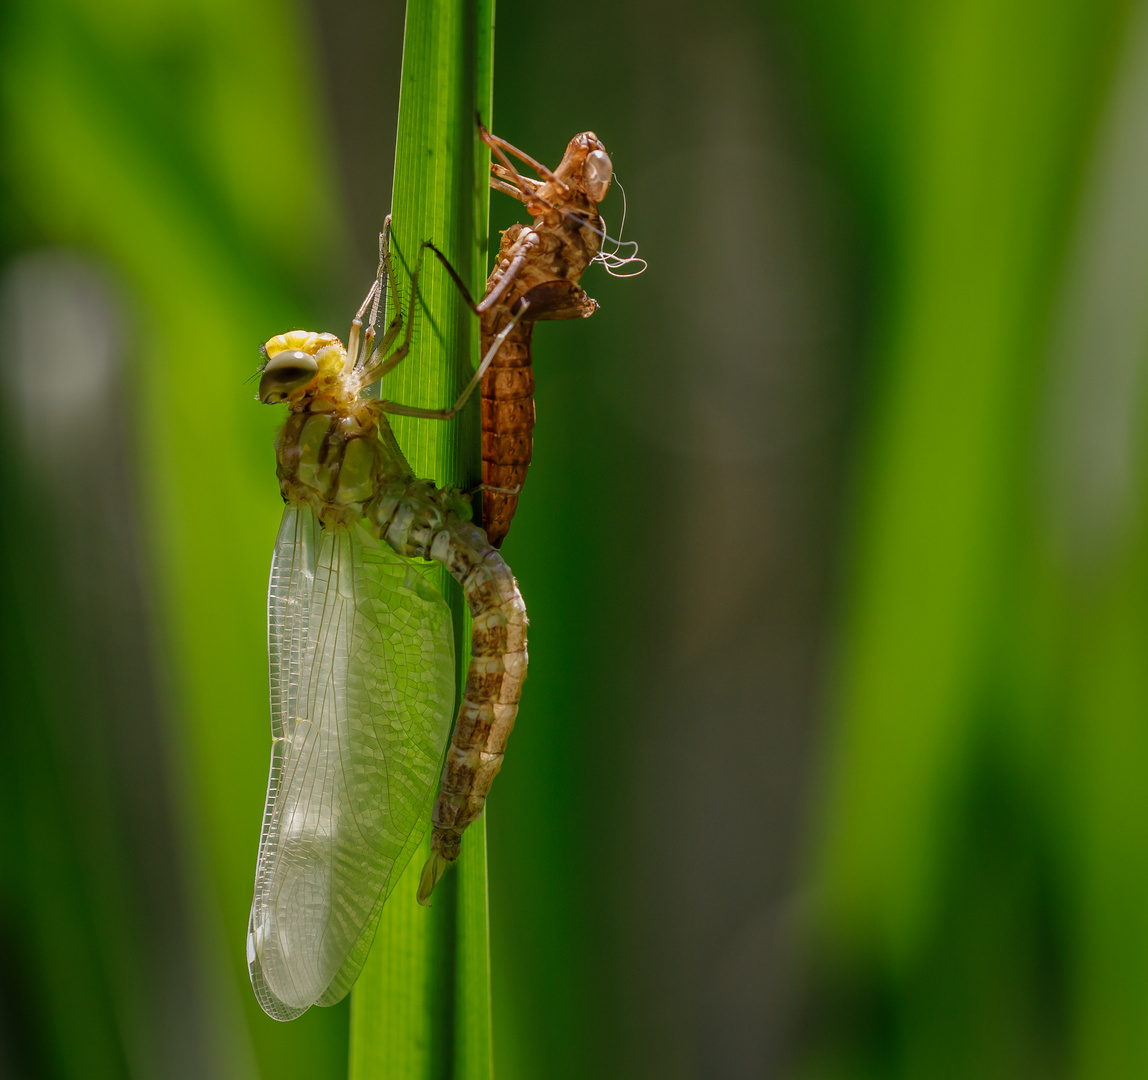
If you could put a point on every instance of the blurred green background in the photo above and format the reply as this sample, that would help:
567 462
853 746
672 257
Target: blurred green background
831 761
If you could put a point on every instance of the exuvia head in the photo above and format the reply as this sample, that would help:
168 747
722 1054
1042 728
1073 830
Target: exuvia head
586 166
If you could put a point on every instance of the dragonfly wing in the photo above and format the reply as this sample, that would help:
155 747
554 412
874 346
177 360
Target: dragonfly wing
362 693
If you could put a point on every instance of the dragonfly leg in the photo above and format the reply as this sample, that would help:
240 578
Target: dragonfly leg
523 248
449 414
512 271
375 368
359 343
516 490
384 274
367 361
506 178
499 184
499 145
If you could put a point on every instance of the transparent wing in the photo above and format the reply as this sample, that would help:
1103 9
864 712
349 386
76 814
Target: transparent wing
362 692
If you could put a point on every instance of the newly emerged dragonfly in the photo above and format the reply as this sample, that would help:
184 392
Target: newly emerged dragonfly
535 278
362 668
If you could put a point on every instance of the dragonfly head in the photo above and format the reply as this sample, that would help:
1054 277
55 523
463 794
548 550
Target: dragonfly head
303 369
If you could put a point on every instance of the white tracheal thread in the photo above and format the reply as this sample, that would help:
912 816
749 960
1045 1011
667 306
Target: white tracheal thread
612 260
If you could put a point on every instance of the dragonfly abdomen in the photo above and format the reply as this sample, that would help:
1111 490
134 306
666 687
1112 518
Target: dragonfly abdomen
423 524
493 687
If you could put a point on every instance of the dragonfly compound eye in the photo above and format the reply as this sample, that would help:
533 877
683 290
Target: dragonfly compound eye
597 171
286 371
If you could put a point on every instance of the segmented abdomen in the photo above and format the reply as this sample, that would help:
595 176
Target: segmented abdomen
493 681
507 422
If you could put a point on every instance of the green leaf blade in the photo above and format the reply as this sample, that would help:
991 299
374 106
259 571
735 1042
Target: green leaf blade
421 1008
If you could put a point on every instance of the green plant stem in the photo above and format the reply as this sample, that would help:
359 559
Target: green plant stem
421 1008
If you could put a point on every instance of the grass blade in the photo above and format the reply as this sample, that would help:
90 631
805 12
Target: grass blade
422 1006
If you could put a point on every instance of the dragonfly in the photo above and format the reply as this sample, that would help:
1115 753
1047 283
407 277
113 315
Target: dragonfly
361 659
535 278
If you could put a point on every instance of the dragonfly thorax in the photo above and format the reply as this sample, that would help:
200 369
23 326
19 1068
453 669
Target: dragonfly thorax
326 462
328 451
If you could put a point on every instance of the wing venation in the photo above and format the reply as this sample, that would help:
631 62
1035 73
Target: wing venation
361 655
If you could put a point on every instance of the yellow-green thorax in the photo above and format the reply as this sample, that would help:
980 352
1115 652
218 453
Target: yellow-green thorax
328 452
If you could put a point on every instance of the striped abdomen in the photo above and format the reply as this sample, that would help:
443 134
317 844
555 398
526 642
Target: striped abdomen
507 422
493 681
493 687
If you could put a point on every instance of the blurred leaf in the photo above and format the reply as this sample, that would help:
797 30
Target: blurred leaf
166 141
941 914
